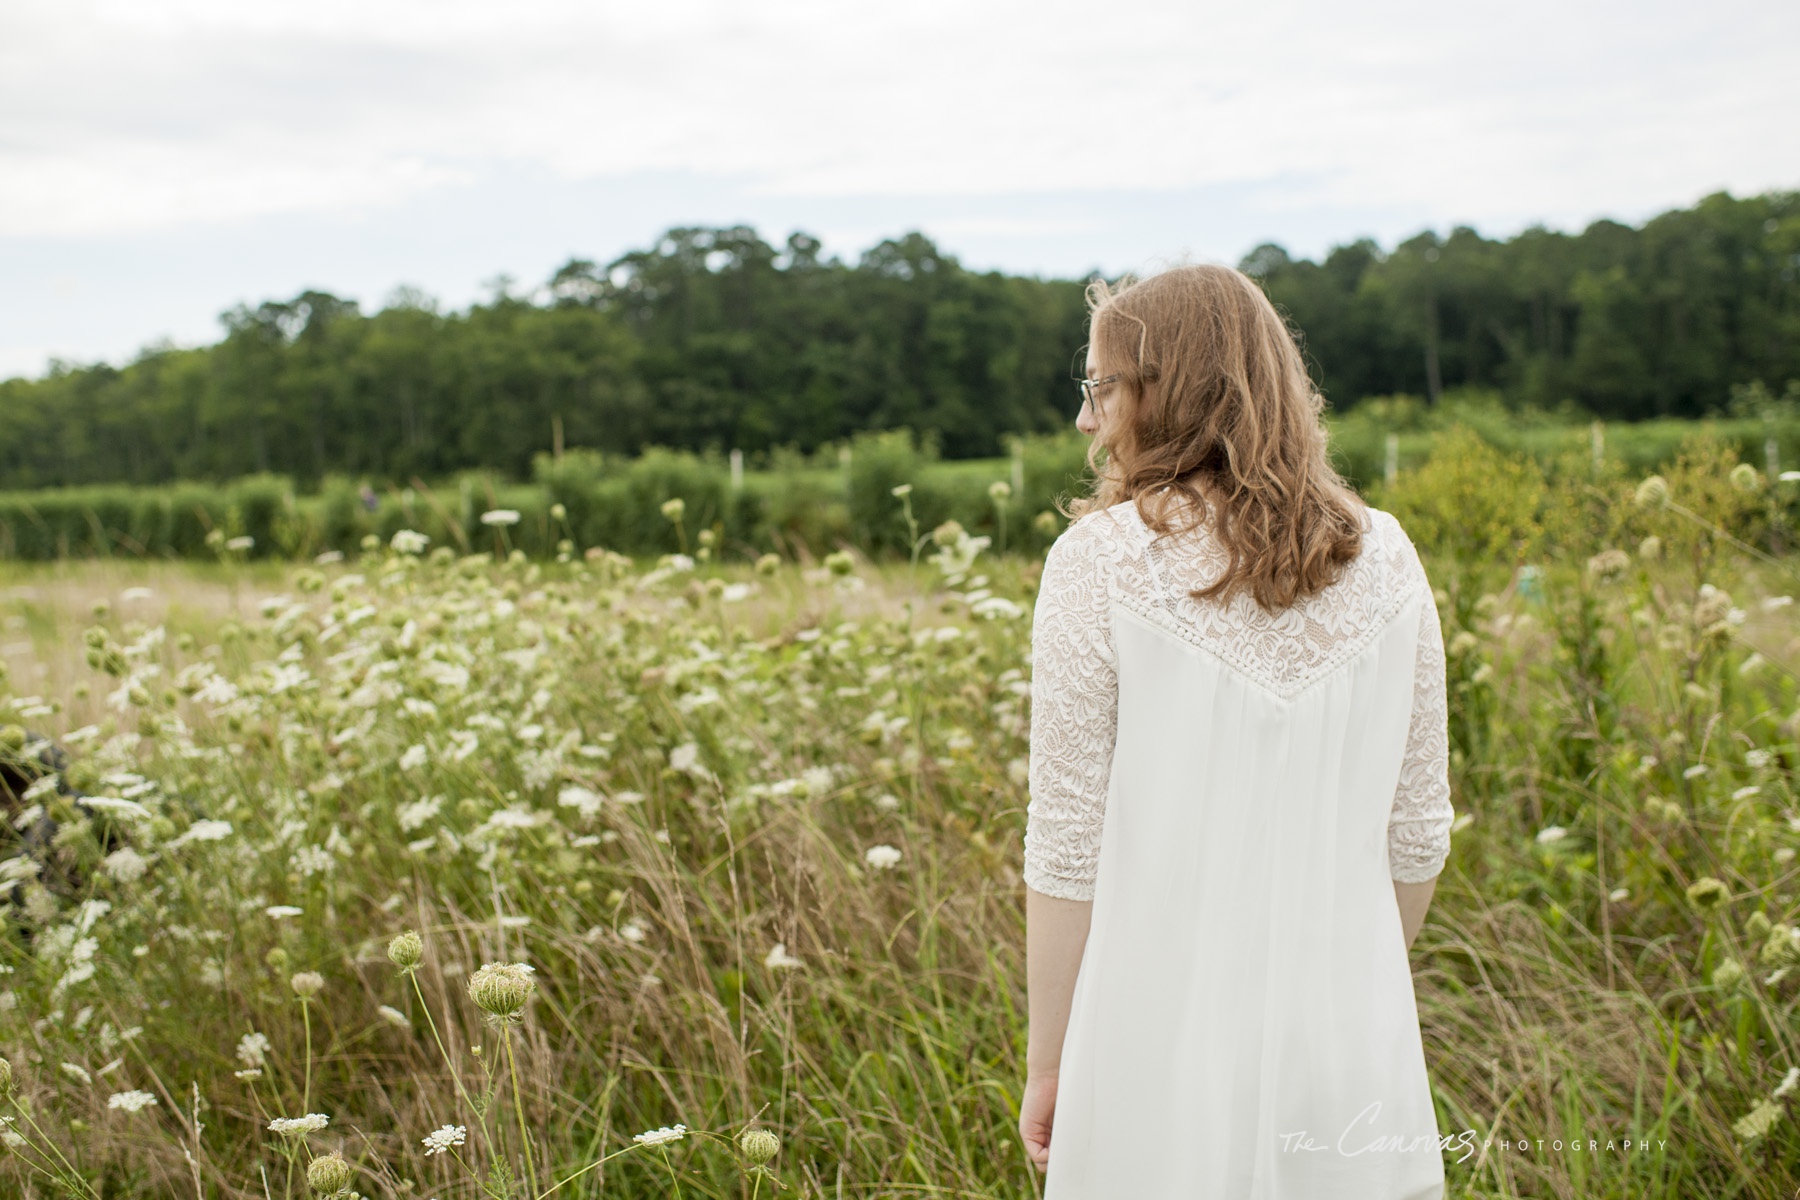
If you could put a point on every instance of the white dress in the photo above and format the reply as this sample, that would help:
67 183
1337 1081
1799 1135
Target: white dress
1234 790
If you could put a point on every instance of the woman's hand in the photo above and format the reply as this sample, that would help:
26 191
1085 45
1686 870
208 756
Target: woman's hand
1035 1111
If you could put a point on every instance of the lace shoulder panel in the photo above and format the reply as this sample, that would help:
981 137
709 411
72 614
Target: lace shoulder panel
1287 651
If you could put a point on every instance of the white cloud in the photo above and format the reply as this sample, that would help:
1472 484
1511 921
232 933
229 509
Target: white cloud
135 115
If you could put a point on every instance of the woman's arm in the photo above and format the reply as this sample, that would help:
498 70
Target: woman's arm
1055 934
1419 824
1074 715
1414 899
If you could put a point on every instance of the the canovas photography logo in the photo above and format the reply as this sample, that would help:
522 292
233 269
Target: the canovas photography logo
1362 1135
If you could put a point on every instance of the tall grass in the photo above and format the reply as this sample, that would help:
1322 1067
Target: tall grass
757 832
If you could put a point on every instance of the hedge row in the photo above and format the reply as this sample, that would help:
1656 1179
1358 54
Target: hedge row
802 511
618 504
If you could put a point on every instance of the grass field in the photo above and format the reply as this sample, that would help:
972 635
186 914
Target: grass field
756 832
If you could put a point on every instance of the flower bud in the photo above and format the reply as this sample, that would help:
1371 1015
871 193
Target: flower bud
329 1174
1707 893
501 989
758 1145
1653 492
407 950
6 1078
307 984
672 509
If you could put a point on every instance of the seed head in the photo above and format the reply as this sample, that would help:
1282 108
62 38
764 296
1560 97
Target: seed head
758 1145
307 984
1745 478
6 1078
329 1174
501 989
672 509
407 951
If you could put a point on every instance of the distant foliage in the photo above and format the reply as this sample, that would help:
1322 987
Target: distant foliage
713 339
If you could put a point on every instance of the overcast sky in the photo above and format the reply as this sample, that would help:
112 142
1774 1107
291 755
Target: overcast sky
163 160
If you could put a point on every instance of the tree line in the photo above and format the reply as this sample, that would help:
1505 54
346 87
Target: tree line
715 339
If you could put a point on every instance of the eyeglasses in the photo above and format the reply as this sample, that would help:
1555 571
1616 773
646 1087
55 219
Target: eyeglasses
1089 387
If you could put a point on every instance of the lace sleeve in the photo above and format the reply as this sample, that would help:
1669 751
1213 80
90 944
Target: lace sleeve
1074 715
1419 827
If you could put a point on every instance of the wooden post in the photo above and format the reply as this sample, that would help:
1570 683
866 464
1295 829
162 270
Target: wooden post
1391 468
737 470
1597 444
1018 467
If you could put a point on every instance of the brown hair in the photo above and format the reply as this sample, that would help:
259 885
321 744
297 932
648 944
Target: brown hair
1212 385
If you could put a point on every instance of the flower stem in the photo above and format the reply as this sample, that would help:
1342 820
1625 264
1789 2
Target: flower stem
455 1075
512 1068
306 1087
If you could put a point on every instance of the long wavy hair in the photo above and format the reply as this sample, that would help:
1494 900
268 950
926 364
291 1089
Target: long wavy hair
1213 412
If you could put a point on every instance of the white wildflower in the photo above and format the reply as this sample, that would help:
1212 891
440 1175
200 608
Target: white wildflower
299 1126
881 857
1551 833
656 1137
132 1101
440 1140
412 816
500 516
278 911
77 1072
253 1050
584 800
779 957
414 758
409 541
112 806
125 865
394 1016
205 830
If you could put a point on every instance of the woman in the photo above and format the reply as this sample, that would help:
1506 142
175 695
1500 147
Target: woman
1239 785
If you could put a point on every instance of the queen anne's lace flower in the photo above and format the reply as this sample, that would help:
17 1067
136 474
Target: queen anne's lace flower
133 1101
299 1126
656 1137
440 1140
253 1049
